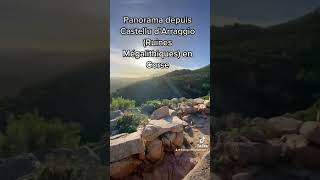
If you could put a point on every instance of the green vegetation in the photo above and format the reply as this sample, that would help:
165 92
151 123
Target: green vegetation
31 132
120 103
164 102
154 103
207 97
130 121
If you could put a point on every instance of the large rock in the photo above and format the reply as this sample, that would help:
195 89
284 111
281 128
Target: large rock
202 170
254 153
147 109
200 107
168 139
156 128
284 125
178 141
187 109
311 130
171 168
197 101
126 146
113 124
115 114
160 113
300 152
123 168
15 167
172 112
118 136
294 141
155 150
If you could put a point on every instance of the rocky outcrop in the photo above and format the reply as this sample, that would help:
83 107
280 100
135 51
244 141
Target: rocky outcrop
160 113
157 127
285 125
153 152
126 146
311 130
291 145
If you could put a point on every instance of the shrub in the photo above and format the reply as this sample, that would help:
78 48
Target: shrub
31 132
120 103
207 97
155 103
130 121
166 102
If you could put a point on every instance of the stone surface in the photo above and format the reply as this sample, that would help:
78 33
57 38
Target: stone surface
311 130
168 138
254 153
155 150
156 128
172 112
200 107
113 124
123 168
242 176
197 101
178 141
294 141
126 146
171 168
118 136
147 109
115 114
202 170
160 113
187 109
285 125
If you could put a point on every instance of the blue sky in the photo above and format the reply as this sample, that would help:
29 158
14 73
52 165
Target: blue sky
199 43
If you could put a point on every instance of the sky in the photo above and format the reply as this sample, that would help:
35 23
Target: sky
53 25
198 43
260 12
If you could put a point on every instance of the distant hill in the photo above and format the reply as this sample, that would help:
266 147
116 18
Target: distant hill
78 95
179 83
21 68
119 82
266 71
